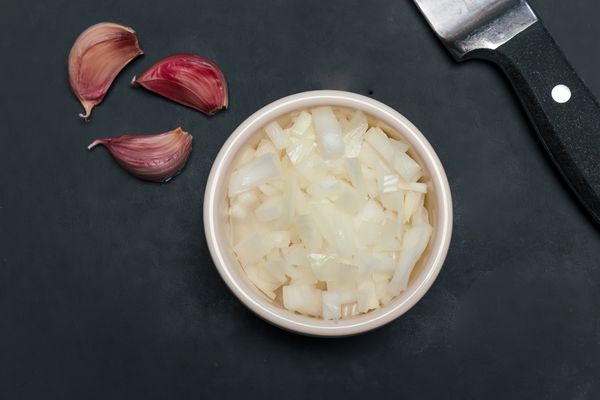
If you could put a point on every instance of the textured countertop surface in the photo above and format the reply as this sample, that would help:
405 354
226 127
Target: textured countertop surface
107 289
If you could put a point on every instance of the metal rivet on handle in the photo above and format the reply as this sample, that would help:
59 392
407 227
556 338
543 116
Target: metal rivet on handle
561 93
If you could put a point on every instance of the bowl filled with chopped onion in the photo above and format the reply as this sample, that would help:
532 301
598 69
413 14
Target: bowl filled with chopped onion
328 213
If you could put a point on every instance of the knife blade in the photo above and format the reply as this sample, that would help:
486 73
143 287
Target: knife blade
564 112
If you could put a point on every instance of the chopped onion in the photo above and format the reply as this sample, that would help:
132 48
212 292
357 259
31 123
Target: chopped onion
302 298
271 209
414 243
307 229
355 174
412 201
268 190
324 266
388 183
332 305
366 297
299 149
256 172
266 146
329 132
327 215
381 143
296 254
278 137
312 168
302 275
301 124
372 212
408 168
246 154
369 233
268 287
354 134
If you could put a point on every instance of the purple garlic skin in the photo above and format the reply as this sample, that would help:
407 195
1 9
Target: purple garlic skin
155 158
96 58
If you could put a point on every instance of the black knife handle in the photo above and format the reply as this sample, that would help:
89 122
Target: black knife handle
569 130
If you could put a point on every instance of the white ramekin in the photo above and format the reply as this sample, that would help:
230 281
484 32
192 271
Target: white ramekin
438 202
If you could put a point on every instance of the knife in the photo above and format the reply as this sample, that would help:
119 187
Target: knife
564 112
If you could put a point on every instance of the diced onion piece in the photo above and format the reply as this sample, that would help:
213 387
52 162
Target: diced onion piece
336 227
268 190
327 187
277 269
279 239
413 187
388 183
309 234
393 201
371 185
296 254
243 204
378 276
247 199
381 143
369 233
420 217
381 289
408 168
329 133
378 262
346 289
267 287
312 168
349 200
366 297
412 202
301 124
237 211
336 166
398 145
369 157
271 209
295 199
354 134
299 149
265 146
278 137
343 121
245 155
386 299
388 241
253 248
332 305
325 266
250 227
414 243
301 275
256 172
304 299
372 212
355 173
349 310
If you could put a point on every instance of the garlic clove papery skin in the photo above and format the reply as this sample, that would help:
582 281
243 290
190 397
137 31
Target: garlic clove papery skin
187 79
155 158
96 58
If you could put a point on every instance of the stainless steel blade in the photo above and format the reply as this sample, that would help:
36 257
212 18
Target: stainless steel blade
469 25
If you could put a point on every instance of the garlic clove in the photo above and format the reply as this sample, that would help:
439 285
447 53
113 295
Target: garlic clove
96 58
156 158
188 79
